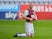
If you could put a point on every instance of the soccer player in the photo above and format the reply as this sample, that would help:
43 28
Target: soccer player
30 16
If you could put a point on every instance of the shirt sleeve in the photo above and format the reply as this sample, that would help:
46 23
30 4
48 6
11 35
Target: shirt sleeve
26 13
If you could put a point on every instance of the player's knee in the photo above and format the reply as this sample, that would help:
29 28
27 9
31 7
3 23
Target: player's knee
32 34
28 35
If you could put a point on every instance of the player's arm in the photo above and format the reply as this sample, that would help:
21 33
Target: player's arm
35 16
27 17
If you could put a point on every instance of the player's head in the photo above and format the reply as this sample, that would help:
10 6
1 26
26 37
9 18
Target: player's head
31 5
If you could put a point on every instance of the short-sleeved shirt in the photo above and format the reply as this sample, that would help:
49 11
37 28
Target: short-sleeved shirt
28 13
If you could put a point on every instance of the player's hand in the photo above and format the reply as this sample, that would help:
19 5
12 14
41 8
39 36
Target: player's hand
31 19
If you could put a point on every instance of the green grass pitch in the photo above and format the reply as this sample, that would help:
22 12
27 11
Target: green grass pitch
8 28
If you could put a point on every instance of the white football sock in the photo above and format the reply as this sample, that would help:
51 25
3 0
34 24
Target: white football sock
23 35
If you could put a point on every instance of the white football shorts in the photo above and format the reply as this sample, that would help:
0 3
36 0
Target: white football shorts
29 28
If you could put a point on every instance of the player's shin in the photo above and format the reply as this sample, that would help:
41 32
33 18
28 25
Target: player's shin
22 35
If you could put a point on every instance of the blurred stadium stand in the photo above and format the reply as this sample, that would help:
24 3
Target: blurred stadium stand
27 1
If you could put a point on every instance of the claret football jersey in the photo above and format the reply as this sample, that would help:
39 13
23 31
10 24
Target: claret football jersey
29 13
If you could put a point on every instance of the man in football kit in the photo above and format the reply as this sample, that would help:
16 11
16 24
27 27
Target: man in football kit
30 16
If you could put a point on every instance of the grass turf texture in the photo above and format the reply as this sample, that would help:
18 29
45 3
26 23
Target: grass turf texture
8 28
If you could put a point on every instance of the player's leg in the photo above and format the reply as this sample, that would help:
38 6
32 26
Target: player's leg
29 29
32 30
20 35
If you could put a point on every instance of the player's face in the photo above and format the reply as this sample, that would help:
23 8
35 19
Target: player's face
31 6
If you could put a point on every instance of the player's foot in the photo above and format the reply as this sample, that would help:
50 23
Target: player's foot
16 35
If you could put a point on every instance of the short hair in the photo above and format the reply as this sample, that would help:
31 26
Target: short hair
31 4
